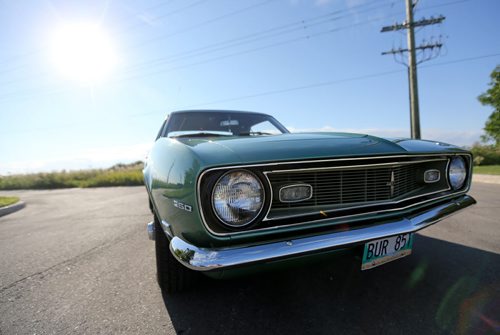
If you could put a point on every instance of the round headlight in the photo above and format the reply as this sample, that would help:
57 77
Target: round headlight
457 172
238 198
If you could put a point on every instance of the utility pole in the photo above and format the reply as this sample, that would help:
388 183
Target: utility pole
410 25
412 62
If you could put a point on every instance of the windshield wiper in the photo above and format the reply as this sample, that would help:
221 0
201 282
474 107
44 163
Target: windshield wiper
251 133
199 133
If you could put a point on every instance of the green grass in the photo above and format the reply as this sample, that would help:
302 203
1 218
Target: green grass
118 175
487 169
6 201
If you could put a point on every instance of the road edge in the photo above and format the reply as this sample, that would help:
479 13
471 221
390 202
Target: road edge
486 178
12 208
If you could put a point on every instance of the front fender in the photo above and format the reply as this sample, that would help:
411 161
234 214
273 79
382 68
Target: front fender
170 177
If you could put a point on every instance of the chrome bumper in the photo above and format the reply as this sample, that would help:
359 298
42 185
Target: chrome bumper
202 259
151 231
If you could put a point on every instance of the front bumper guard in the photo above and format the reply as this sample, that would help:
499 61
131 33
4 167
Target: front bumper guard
205 259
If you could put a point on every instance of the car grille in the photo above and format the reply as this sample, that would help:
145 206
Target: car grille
339 188
340 192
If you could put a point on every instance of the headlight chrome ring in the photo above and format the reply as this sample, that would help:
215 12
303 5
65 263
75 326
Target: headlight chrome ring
238 198
457 172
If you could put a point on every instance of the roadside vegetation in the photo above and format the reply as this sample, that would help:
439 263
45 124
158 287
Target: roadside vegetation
487 169
6 201
118 175
487 153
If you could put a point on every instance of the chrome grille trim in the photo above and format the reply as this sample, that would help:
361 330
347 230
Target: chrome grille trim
397 163
349 194
323 222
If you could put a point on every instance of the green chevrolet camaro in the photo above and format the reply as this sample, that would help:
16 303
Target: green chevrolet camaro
235 192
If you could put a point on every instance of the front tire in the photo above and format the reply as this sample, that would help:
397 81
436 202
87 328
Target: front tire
172 276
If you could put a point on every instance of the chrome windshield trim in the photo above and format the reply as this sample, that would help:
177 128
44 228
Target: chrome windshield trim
200 177
205 259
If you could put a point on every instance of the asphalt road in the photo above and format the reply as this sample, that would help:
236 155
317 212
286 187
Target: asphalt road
79 261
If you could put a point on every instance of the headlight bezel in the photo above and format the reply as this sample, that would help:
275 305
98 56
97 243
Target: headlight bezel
206 185
212 198
466 171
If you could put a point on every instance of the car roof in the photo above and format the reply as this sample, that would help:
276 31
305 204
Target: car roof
215 111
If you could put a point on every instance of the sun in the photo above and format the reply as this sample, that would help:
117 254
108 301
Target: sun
83 52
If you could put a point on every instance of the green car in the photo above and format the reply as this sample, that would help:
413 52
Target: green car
235 192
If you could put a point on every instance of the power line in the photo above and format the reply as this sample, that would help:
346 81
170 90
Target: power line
273 92
19 57
333 82
201 24
225 16
250 38
163 16
220 46
252 50
297 25
301 25
230 55
234 42
35 92
447 4
462 60
292 89
210 60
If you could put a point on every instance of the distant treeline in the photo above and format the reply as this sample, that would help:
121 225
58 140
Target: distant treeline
117 175
486 154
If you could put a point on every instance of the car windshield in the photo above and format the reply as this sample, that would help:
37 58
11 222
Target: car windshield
216 123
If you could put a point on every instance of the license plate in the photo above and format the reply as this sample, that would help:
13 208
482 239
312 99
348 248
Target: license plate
386 249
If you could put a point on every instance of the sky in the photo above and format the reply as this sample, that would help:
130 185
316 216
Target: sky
87 84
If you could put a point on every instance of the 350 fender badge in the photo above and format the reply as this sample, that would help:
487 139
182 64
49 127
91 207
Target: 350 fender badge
183 206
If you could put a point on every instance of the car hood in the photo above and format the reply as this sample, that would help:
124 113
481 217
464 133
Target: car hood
304 146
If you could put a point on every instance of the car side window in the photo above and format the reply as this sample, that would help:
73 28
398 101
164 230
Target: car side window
265 127
162 130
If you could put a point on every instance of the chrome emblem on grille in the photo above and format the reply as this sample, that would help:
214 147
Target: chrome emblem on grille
295 193
391 183
432 176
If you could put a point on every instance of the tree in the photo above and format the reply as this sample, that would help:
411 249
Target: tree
492 98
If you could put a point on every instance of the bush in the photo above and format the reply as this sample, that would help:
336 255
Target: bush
486 154
118 175
116 178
